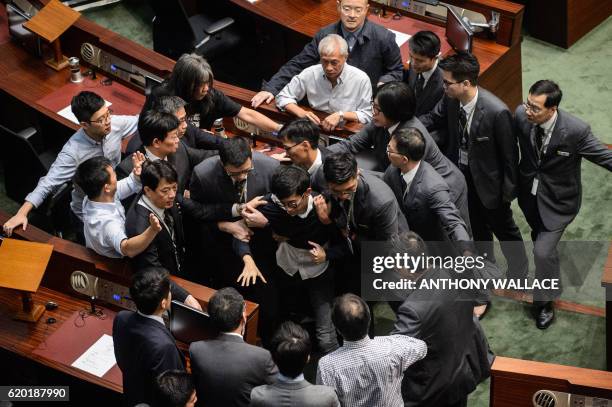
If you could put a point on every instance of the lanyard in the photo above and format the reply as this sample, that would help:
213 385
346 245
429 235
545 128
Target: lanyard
170 231
546 140
464 131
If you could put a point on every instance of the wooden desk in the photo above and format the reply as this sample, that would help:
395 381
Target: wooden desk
500 60
514 381
606 282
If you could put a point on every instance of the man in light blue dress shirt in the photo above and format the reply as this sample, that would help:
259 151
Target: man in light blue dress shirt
103 214
333 86
100 134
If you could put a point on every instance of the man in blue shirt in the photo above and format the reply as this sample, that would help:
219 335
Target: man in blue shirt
100 134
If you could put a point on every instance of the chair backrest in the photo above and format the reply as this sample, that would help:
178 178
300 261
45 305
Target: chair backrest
22 164
172 33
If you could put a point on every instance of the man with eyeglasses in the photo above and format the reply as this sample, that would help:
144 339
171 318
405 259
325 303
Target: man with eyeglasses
372 48
305 246
100 134
553 143
480 140
223 185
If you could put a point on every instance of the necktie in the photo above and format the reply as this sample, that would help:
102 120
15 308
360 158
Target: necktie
351 40
418 86
539 139
169 219
240 190
461 124
403 184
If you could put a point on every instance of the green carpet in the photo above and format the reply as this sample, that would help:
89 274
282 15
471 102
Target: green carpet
583 74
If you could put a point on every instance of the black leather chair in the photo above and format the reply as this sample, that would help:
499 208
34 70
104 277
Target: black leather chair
23 165
175 33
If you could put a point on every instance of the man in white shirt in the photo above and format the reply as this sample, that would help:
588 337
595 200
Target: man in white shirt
103 214
380 362
332 86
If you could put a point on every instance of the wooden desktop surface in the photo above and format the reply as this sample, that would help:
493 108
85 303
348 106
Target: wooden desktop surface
514 381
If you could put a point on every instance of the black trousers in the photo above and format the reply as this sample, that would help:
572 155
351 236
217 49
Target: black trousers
499 222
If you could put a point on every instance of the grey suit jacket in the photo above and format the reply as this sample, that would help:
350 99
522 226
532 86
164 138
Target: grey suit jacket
458 355
559 192
492 147
295 394
226 369
213 188
428 207
432 92
378 138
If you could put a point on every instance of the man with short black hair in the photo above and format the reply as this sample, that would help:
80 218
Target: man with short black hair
372 48
424 76
306 246
422 193
157 198
380 362
100 134
481 142
291 352
103 214
226 368
458 356
144 347
175 388
553 143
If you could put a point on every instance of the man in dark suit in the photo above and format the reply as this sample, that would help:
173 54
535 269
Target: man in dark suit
291 352
422 193
167 250
223 186
481 142
372 48
458 356
423 76
393 109
363 207
226 368
144 347
300 139
553 143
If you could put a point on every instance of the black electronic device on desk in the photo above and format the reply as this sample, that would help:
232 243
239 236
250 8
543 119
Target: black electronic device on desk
458 33
188 324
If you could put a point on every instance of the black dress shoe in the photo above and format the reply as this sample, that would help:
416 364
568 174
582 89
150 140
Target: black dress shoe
544 315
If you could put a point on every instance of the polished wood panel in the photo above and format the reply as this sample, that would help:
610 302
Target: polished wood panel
22 264
563 22
514 381
52 20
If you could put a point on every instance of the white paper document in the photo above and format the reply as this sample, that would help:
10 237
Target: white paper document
400 38
99 358
67 112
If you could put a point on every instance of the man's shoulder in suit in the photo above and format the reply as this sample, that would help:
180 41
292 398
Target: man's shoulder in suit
490 102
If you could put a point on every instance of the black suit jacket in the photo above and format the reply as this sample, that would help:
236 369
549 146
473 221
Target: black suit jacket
144 348
161 252
376 54
432 92
458 356
492 147
376 213
214 190
226 369
559 192
184 160
428 207
378 138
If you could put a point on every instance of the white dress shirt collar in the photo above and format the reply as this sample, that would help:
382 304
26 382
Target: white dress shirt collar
316 164
146 202
427 74
469 107
391 129
150 156
409 176
549 125
153 317
282 378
